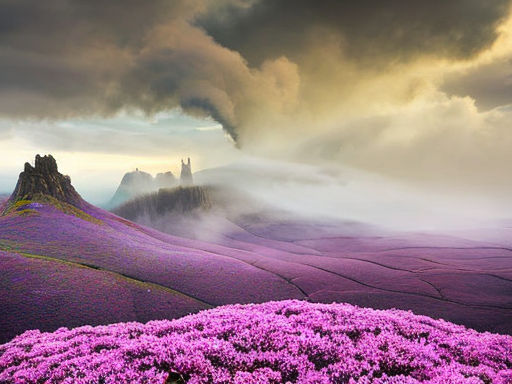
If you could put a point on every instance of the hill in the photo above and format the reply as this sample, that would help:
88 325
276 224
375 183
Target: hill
69 265
277 342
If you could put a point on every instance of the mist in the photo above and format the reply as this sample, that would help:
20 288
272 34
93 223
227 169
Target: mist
255 194
344 193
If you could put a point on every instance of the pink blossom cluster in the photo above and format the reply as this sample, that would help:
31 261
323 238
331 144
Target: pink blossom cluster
275 342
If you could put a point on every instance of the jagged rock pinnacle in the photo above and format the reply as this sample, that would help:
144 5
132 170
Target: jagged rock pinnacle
186 173
44 179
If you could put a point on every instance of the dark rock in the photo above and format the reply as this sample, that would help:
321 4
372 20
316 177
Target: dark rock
44 179
177 200
186 173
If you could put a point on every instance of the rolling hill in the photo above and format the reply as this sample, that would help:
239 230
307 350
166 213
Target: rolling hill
271 343
68 263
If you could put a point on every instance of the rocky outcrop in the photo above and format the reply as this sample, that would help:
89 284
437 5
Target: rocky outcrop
186 173
44 179
138 183
180 200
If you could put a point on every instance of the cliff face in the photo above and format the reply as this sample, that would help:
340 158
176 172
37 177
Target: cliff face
44 179
178 200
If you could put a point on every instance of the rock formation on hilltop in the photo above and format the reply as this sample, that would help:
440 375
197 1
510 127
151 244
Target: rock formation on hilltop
186 173
44 179
138 183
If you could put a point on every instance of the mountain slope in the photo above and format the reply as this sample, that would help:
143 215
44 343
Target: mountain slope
113 244
47 293
465 281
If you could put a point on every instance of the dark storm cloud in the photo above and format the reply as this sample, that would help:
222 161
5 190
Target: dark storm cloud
67 58
249 64
489 84
57 25
63 58
371 29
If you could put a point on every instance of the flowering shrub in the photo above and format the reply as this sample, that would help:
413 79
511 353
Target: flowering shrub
275 342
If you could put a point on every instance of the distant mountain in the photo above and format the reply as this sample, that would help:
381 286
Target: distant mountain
138 183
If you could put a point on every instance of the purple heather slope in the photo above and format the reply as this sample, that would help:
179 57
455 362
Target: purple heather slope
46 293
276 342
444 276
53 262
464 281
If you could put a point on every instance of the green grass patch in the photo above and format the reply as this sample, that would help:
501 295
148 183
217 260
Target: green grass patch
27 212
68 209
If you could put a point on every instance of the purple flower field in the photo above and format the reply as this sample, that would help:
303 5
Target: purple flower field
275 342
52 262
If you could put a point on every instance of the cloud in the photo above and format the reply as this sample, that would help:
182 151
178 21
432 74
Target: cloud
76 58
436 141
489 84
354 82
375 30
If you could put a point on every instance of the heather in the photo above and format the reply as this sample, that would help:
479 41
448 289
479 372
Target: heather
275 342
54 263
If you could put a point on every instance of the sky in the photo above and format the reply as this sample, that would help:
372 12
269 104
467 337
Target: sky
416 91
97 152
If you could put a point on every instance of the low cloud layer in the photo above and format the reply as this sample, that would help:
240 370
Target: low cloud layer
400 87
